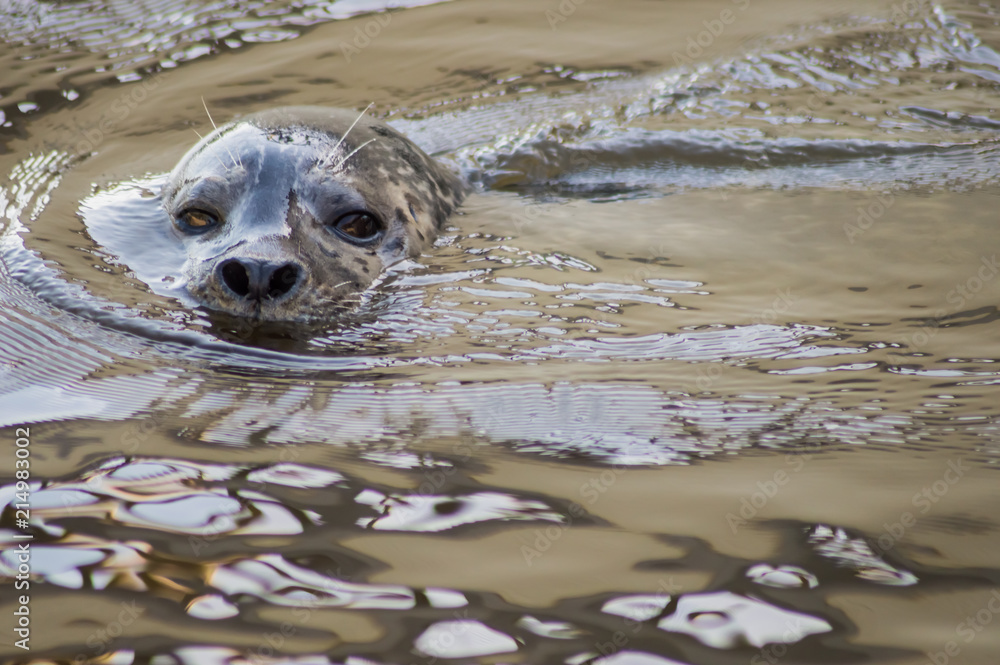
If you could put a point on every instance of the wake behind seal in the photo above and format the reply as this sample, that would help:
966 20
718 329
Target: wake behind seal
288 214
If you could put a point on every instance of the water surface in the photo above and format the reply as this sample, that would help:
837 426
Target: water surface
704 371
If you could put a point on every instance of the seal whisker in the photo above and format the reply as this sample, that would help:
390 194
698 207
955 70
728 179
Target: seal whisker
352 126
216 156
344 135
221 163
351 154
214 126
276 259
236 160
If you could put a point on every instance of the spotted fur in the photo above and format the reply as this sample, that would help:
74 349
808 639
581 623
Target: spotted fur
275 182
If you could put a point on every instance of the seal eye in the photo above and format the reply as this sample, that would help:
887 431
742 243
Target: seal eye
358 226
196 221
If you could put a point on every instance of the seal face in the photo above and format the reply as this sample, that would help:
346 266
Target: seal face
286 215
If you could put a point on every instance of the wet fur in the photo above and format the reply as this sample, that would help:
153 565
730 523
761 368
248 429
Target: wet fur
279 178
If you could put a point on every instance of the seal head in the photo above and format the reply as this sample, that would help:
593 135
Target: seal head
286 215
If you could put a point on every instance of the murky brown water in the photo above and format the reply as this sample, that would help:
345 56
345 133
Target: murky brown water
705 371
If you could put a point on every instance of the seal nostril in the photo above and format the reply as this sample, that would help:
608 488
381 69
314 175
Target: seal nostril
235 275
282 280
257 279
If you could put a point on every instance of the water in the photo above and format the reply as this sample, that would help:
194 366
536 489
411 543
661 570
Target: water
703 372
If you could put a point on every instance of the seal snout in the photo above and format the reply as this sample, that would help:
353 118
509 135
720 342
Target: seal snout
259 279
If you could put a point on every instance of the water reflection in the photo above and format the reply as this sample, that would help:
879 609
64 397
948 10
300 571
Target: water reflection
782 577
628 657
676 274
273 579
858 554
725 620
463 639
78 561
439 513
217 587
134 40
172 496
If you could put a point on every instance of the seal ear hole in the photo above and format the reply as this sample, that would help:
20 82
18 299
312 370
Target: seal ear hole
358 226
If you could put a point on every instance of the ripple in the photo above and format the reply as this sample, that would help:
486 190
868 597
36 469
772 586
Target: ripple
440 513
792 107
295 475
782 577
463 639
640 607
77 561
129 42
630 657
725 620
170 496
275 580
557 630
212 607
835 544
537 349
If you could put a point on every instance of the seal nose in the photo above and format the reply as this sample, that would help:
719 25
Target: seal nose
256 279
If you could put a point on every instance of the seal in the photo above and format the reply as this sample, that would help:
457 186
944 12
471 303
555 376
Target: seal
288 214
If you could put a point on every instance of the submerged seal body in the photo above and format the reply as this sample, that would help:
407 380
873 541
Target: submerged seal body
287 214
